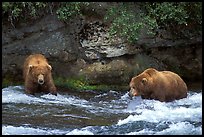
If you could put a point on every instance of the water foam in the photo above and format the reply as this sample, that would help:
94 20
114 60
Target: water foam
181 115
15 94
181 128
154 111
25 130
80 132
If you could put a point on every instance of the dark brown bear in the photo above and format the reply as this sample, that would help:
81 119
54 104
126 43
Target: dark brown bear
37 75
159 85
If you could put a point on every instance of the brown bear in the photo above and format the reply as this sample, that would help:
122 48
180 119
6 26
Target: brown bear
164 86
37 75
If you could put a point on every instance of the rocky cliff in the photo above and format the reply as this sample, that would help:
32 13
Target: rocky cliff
82 48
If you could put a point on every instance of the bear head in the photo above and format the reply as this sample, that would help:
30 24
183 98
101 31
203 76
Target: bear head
39 72
141 84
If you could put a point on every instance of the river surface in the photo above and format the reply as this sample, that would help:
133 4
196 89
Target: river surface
98 113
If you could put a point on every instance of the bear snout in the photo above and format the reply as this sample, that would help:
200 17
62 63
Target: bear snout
133 92
41 79
130 94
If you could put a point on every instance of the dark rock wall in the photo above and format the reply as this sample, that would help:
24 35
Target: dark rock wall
82 47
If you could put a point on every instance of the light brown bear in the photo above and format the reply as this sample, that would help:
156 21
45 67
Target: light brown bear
164 86
37 75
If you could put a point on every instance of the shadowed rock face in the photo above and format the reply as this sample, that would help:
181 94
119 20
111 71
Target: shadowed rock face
82 47
96 41
48 36
119 70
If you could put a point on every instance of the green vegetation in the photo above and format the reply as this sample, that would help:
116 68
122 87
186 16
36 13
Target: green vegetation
17 11
177 17
127 23
128 19
80 84
77 84
22 11
68 9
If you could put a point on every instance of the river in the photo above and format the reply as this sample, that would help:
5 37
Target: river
98 113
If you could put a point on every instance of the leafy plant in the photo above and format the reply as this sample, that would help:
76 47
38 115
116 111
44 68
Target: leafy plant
177 17
21 10
173 16
128 24
129 20
69 9
167 14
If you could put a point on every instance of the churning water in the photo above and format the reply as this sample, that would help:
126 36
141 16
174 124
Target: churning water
98 113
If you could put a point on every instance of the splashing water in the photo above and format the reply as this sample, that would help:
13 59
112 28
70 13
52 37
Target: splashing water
106 113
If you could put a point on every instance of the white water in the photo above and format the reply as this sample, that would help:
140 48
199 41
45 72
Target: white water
122 115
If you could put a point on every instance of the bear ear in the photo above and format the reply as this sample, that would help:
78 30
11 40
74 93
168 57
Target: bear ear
30 67
49 67
144 80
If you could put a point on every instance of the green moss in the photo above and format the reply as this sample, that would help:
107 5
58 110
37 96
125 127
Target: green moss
80 84
77 83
